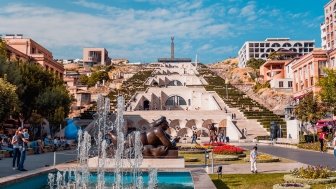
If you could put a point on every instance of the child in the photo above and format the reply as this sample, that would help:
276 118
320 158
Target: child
253 160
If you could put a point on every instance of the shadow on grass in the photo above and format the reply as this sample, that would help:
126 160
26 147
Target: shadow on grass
220 184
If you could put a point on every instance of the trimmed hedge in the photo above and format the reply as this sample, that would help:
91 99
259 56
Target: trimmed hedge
292 178
226 157
291 186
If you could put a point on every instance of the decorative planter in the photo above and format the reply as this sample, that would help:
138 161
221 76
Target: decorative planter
226 157
191 159
292 178
291 186
192 152
271 160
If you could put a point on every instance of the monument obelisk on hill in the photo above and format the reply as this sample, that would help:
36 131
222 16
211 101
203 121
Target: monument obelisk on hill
172 48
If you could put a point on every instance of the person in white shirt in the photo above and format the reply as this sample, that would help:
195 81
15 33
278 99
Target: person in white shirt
253 160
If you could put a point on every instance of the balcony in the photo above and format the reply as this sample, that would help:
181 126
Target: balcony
275 74
93 59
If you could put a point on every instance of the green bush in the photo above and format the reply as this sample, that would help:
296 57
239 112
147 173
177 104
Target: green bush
312 172
259 86
312 146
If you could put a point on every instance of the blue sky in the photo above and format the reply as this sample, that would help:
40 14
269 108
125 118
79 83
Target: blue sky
140 30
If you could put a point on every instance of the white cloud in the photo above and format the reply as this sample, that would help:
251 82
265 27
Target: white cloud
137 33
233 11
121 29
249 11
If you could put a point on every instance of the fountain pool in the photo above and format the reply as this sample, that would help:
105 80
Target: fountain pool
166 180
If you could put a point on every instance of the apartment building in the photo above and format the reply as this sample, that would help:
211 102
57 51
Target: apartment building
34 51
327 27
309 69
278 71
95 56
262 49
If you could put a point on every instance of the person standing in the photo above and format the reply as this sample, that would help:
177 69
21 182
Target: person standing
16 150
220 136
23 144
253 160
193 138
322 138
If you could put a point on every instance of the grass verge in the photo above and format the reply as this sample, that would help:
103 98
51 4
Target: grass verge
255 181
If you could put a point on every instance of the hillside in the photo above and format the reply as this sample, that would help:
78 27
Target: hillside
244 79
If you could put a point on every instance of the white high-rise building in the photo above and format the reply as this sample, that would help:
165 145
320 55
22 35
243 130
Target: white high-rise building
327 27
262 49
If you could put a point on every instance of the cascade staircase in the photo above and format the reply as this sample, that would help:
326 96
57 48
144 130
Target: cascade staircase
248 111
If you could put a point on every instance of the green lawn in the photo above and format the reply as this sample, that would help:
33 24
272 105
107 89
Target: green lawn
254 181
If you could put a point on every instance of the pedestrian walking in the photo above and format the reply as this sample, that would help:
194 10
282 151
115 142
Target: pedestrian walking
16 151
194 138
253 160
220 136
322 138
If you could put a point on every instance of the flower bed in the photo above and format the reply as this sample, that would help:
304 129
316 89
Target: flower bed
227 150
311 175
226 157
292 178
312 146
191 159
215 144
311 172
291 186
194 151
264 158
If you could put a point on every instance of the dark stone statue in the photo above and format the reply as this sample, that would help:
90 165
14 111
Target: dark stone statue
156 141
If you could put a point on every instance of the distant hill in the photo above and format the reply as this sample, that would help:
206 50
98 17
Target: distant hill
273 100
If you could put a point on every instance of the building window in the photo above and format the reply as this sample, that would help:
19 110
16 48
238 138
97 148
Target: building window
175 83
290 84
311 81
280 84
175 101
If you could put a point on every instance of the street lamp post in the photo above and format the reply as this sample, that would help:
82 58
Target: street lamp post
226 84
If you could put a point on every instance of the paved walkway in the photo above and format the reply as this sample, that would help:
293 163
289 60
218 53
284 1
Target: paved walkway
302 156
37 161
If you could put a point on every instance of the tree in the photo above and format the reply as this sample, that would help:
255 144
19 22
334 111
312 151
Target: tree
328 89
54 104
51 100
83 79
3 52
36 121
8 99
274 56
98 76
309 110
255 63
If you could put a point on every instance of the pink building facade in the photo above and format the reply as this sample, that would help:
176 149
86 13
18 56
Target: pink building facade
35 52
307 70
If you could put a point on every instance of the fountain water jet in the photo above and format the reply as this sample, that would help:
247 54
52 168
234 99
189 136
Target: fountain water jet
128 147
